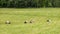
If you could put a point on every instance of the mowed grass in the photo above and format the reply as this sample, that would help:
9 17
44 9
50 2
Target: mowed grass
39 24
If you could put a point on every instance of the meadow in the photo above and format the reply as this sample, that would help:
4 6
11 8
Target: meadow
39 16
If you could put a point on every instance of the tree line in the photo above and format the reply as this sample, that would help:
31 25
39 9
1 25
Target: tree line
29 3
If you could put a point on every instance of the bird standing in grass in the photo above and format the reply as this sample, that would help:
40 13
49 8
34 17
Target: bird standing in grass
25 22
7 22
31 21
48 21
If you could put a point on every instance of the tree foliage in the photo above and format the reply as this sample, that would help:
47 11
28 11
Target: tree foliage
29 3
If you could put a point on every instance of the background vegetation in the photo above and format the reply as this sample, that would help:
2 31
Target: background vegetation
29 3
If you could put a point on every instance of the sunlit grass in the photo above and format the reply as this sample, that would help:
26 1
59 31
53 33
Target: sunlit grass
39 17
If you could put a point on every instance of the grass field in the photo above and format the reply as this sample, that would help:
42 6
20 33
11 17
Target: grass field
39 17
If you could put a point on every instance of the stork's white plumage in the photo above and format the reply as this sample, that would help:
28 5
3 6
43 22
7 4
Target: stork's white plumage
7 22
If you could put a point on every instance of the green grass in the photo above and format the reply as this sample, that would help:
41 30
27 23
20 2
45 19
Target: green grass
39 17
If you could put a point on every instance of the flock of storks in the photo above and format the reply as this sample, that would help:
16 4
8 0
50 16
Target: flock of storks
9 22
